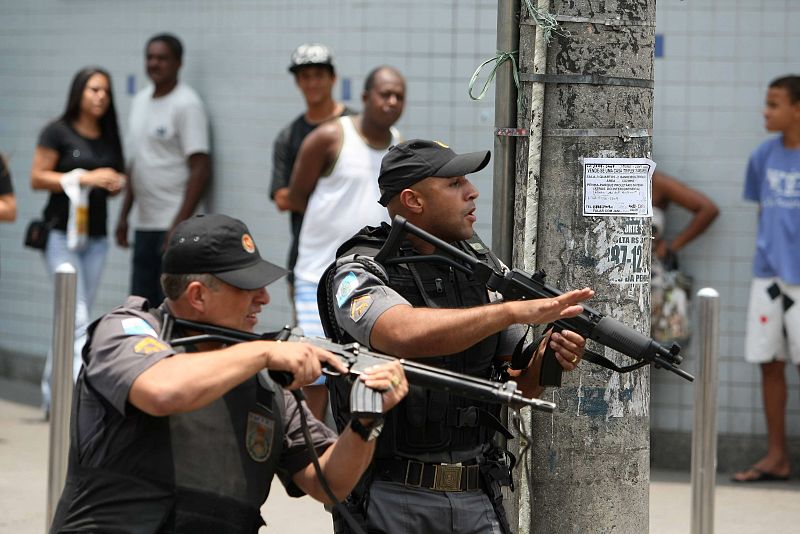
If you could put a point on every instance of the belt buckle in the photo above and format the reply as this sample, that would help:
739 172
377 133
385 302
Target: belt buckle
408 470
447 477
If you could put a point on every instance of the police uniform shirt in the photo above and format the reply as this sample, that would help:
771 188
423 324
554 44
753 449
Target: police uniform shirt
360 297
124 344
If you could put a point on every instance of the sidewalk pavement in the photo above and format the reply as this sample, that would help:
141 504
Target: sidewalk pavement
772 507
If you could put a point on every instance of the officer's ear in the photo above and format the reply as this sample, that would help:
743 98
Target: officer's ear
195 296
411 200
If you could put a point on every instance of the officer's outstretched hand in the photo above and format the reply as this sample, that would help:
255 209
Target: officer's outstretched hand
388 378
543 311
304 361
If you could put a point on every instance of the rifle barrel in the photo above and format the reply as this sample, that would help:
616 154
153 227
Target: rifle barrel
358 358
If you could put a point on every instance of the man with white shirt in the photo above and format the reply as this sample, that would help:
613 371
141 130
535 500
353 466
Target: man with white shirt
168 164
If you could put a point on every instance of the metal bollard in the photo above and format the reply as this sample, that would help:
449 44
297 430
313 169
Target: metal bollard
704 434
61 383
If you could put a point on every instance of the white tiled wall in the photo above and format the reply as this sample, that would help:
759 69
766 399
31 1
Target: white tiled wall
719 56
236 55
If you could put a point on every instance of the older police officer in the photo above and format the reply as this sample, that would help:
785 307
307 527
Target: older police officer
164 440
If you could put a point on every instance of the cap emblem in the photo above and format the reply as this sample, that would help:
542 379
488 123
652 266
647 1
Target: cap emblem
247 244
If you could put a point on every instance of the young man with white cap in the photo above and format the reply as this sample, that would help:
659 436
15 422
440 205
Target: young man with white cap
315 76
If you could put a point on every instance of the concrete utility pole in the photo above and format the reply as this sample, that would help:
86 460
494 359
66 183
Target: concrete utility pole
586 93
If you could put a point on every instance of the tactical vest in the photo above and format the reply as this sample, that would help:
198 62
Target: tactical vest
426 421
208 470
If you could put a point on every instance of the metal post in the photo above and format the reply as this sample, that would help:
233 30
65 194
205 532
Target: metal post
61 383
505 116
704 434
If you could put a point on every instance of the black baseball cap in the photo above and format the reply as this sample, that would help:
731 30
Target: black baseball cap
407 163
222 246
310 54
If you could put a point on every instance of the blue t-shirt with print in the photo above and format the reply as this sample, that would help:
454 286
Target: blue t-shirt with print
773 180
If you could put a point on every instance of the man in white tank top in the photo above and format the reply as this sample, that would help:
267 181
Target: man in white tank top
335 182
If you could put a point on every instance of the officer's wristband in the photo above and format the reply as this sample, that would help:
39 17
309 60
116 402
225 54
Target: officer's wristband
367 433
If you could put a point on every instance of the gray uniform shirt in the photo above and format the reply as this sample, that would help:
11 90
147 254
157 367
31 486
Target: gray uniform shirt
125 343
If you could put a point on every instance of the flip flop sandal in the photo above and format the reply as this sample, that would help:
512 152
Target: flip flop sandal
762 476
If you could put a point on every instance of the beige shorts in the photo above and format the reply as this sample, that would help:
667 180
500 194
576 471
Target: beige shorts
773 322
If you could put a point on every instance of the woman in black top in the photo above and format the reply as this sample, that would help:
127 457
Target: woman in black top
79 153
8 203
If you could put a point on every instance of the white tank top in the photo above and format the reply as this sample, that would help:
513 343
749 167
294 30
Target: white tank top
341 204
658 223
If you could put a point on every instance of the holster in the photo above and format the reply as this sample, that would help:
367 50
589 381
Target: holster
355 503
496 465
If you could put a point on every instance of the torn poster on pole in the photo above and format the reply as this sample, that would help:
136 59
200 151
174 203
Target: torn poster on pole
615 187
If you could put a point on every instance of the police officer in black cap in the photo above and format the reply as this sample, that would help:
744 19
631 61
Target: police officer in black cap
436 468
184 441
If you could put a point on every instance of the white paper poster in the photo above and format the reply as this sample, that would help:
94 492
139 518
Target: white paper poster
617 187
626 255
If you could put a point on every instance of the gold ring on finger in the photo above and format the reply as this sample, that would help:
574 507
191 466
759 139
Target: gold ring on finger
574 359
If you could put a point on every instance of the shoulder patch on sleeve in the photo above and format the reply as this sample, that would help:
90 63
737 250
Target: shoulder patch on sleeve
136 326
346 288
149 345
359 307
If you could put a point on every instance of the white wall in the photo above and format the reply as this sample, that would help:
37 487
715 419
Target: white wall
236 55
719 56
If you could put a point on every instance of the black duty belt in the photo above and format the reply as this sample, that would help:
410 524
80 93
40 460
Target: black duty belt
463 476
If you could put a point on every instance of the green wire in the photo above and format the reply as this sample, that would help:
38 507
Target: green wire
543 20
499 59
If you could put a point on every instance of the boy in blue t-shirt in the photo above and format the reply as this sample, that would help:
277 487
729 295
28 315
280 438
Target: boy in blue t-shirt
773 324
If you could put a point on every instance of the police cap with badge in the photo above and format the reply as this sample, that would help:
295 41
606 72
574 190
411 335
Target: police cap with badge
412 161
220 245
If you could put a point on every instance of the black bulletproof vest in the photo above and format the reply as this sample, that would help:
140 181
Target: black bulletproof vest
429 421
204 471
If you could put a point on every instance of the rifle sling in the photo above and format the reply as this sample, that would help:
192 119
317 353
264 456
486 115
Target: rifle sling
602 361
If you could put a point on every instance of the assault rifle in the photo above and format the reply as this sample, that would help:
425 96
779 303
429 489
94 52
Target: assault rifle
364 402
516 284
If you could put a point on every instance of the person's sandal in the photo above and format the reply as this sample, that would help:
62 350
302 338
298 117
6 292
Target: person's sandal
761 476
